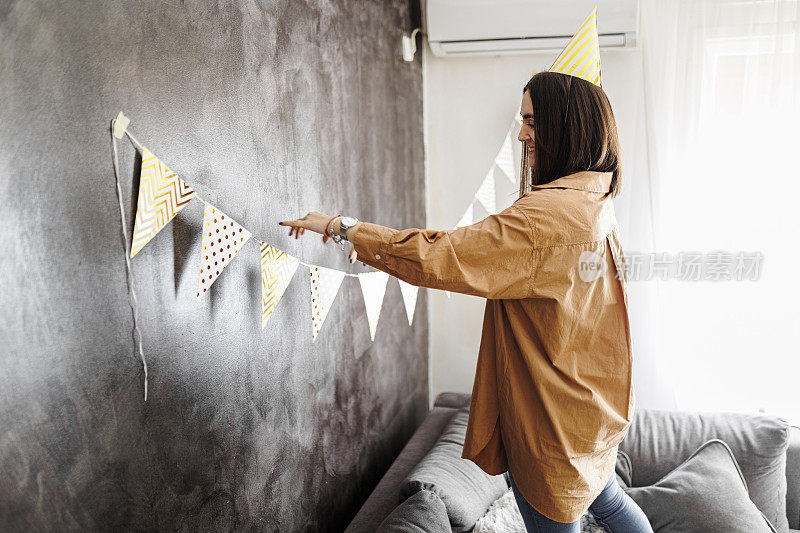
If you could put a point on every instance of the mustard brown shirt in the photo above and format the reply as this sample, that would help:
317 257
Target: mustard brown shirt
552 396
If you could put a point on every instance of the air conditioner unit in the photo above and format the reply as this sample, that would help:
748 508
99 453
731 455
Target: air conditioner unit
496 27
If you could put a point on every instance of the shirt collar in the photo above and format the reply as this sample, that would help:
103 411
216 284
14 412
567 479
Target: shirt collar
586 180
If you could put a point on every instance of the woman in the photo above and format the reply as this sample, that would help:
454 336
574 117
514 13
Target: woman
553 395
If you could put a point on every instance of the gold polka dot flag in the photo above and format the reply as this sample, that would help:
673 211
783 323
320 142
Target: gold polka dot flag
277 270
373 287
223 237
161 195
581 56
325 283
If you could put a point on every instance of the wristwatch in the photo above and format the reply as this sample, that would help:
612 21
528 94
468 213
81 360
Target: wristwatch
346 223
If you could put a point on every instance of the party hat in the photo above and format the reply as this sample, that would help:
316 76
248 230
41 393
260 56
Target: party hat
581 56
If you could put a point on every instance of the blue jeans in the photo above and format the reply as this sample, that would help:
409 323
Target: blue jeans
612 509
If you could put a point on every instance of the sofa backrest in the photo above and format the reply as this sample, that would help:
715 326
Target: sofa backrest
385 497
793 478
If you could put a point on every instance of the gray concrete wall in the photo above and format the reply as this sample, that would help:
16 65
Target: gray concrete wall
269 110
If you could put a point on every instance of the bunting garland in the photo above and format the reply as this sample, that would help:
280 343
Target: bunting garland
373 287
162 195
277 270
223 237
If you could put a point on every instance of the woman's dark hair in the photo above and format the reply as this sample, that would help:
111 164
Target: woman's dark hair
574 129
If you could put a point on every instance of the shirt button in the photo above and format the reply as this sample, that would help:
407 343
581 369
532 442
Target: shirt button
377 256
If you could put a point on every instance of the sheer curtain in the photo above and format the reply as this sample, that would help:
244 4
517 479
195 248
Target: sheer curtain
721 85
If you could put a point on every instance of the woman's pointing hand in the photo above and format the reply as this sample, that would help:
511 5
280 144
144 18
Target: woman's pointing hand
316 222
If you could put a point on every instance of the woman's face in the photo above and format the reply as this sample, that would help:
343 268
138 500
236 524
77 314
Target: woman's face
526 132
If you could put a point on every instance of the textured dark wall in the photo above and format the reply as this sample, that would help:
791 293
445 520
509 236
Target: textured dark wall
270 110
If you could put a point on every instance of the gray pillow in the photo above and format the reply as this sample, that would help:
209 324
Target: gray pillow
707 492
466 490
424 512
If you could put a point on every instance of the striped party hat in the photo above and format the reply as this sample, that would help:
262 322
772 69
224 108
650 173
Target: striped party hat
581 56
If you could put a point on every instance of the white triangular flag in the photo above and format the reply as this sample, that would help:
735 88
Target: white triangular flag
466 218
447 293
485 194
505 160
373 287
277 269
325 283
223 237
409 293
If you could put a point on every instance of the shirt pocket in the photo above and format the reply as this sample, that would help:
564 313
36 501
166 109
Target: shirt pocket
620 262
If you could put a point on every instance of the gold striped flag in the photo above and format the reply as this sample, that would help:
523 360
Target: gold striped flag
581 56
277 270
161 195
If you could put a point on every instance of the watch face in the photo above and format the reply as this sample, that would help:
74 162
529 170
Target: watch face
348 221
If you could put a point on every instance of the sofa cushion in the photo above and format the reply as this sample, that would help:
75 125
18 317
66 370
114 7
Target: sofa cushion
624 469
659 440
707 492
423 512
466 490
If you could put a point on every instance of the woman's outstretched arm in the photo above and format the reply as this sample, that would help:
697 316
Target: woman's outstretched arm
492 258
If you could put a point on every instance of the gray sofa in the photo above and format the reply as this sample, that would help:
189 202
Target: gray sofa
658 442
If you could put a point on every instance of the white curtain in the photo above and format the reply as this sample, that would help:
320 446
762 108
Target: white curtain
721 83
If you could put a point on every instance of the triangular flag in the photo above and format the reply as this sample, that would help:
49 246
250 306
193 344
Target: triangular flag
505 159
447 293
325 283
409 293
223 237
277 269
581 56
161 195
466 218
485 194
373 287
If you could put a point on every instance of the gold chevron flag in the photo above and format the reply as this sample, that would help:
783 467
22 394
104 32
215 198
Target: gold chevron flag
581 56
161 195
277 269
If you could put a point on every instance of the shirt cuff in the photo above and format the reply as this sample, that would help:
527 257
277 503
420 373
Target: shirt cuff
370 241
